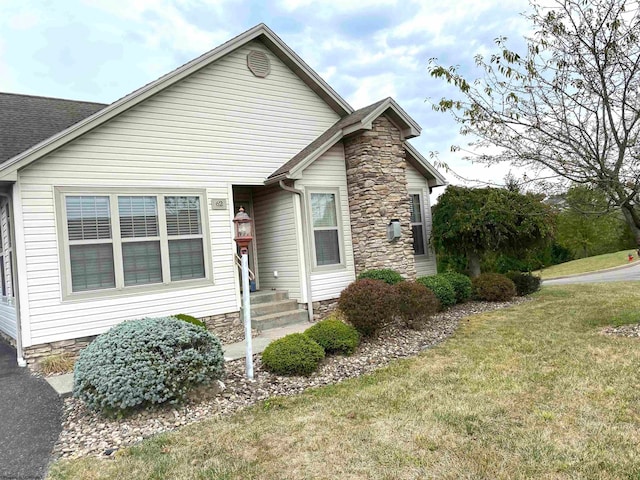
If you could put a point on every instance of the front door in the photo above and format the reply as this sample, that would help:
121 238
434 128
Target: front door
242 198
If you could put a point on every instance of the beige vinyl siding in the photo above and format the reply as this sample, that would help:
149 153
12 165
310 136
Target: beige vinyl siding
416 183
329 172
276 240
220 126
8 323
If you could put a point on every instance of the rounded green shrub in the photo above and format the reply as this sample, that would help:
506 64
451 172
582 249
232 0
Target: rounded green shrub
525 282
334 336
461 285
294 354
384 274
493 287
143 362
441 287
368 305
189 319
416 304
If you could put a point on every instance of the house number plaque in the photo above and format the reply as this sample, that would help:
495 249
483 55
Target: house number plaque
218 204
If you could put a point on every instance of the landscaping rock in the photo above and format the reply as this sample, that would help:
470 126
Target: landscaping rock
632 330
87 433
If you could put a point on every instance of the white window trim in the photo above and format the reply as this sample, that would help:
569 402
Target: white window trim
6 252
336 266
423 223
120 290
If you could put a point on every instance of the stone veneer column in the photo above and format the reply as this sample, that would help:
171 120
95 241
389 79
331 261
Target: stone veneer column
377 183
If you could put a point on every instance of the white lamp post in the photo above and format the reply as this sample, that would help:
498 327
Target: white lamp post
244 235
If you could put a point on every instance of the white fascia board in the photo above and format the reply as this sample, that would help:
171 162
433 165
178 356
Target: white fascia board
408 127
424 163
134 98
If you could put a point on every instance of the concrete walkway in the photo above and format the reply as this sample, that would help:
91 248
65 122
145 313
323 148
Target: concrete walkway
63 384
30 420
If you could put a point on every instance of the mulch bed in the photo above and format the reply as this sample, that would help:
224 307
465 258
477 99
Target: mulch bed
87 433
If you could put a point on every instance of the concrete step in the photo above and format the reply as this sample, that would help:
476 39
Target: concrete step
280 319
268 308
268 296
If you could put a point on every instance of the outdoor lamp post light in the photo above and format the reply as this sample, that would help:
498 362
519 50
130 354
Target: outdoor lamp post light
244 234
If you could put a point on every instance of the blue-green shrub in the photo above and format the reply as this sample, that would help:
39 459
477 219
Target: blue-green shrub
143 362
461 285
334 336
293 354
442 288
385 274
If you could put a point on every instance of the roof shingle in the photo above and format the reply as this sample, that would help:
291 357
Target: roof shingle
26 120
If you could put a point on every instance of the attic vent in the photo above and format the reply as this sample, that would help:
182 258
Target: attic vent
258 63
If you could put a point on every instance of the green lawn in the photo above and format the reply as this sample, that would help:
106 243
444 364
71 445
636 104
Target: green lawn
589 264
533 391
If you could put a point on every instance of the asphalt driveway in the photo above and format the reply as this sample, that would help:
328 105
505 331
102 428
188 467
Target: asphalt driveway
628 273
30 415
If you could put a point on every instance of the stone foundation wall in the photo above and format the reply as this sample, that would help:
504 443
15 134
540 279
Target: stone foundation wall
218 323
36 353
323 309
377 183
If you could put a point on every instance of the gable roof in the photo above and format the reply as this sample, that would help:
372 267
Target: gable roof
260 32
361 119
26 120
435 178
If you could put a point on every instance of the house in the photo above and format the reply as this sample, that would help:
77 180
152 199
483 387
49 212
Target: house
120 211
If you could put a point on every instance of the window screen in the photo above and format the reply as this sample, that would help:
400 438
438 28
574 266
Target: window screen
325 228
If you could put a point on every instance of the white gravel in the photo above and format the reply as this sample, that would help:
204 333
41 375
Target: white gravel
632 330
87 433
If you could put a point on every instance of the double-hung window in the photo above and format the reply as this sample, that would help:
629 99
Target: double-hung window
417 224
117 241
326 232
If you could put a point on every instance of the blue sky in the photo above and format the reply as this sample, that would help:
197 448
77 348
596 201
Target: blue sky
100 50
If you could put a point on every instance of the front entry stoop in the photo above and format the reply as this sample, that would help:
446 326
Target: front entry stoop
273 309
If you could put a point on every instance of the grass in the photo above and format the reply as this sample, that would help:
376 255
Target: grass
533 391
60 363
589 264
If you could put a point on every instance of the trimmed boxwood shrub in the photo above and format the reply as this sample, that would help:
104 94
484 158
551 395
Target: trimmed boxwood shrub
143 362
461 285
294 354
493 287
189 319
334 336
384 274
416 304
525 282
441 287
368 305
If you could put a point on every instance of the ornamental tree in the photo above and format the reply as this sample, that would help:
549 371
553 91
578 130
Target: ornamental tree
568 105
473 222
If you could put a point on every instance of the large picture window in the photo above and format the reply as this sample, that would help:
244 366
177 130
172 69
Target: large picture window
118 241
417 224
326 233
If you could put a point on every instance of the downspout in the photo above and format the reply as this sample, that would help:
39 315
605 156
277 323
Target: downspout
305 242
14 273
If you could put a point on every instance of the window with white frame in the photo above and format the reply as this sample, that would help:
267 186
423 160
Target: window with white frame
417 224
6 277
120 241
326 233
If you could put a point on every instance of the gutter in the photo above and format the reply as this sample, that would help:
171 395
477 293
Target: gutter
305 241
14 272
